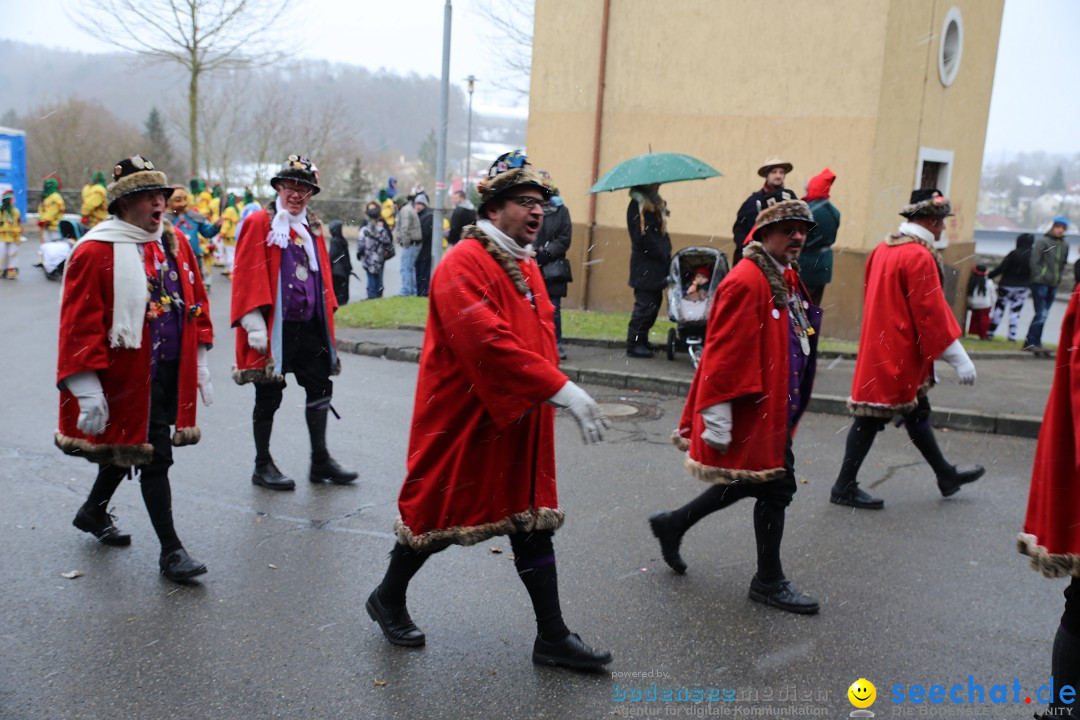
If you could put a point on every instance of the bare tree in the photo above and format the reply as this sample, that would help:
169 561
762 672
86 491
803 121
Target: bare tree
198 35
512 21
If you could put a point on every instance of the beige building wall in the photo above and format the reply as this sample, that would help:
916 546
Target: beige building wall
849 84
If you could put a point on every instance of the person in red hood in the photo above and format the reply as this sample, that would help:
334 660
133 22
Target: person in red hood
816 261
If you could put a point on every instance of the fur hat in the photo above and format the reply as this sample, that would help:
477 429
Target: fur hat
509 170
134 175
776 212
774 162
927 202
299 169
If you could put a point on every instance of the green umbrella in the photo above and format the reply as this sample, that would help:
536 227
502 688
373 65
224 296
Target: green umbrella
654 168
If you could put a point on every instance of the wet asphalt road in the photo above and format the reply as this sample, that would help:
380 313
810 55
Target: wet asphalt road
926 591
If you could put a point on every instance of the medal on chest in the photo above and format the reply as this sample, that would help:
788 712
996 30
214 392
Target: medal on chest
301 273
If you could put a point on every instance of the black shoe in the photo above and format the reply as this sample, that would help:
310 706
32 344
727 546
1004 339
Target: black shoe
783 595
180 567
638 351
268 476
950 484
395 623
100 527
569 652
562 353
855 497
330 471
669 541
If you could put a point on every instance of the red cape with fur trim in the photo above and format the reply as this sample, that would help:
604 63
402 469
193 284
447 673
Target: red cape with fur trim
482 445
906 325
86 312
1051 532
255 285
744 362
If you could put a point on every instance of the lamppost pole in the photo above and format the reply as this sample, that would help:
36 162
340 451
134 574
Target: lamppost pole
468 152
440 151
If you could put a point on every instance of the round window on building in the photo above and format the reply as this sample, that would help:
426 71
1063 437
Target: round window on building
951 47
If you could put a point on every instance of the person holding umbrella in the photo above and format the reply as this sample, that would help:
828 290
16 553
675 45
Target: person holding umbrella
650 254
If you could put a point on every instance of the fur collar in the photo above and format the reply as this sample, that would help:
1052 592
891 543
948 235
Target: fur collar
168 238
755 252
902 239
505 260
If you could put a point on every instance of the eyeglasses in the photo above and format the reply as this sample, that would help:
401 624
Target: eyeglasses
528 201
301 190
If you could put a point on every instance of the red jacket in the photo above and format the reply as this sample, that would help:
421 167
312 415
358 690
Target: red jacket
482 444
744 362
255 285
1051 533
86 312
906 324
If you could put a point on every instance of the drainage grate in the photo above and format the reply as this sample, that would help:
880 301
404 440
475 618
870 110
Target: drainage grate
621 407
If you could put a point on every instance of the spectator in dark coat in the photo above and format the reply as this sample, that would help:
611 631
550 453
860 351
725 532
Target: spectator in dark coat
816 261
650 255
464 214
774 171
551 245
1014 285
340 264
423 260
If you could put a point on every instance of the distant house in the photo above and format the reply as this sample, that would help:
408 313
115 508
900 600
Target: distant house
989 221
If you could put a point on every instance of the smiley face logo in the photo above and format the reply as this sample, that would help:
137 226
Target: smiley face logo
862 693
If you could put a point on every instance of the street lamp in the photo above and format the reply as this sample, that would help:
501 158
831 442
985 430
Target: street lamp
468 153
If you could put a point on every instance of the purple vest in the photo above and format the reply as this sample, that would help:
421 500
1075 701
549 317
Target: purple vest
167 327
300 285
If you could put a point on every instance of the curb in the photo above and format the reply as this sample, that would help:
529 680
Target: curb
970 420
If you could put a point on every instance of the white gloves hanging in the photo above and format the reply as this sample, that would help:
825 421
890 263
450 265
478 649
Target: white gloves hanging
255 325
956 356
590 418
717 433
93 409
206 388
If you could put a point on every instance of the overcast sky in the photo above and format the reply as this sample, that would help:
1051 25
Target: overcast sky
1034 105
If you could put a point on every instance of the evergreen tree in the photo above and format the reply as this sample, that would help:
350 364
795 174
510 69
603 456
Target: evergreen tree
358 185
158 148
1057 181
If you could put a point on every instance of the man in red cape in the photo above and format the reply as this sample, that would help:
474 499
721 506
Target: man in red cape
283 306
751 388
482 447
134 330
906 324
1051 536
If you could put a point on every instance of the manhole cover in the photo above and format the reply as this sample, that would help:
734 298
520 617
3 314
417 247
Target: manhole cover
626 408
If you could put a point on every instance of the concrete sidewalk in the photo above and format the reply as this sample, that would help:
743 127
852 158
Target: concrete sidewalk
1008 398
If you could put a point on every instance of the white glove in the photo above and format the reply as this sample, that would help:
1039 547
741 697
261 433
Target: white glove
956 356
93 408
206 388
255 325
584 409
717 433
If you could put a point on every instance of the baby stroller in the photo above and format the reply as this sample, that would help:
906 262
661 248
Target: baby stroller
55 254
691 315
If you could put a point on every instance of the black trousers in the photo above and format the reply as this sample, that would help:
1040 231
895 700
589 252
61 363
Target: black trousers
772 498
153 477
643 316
305 354
1070 619
423 271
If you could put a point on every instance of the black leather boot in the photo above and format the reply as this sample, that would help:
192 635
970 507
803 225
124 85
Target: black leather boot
100 525
180 567
394 622
268 476
846 490
570 652
670 539
949 477
323 467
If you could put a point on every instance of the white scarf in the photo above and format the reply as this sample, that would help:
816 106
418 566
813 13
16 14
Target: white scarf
504 241
910 228
130 294
283 222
